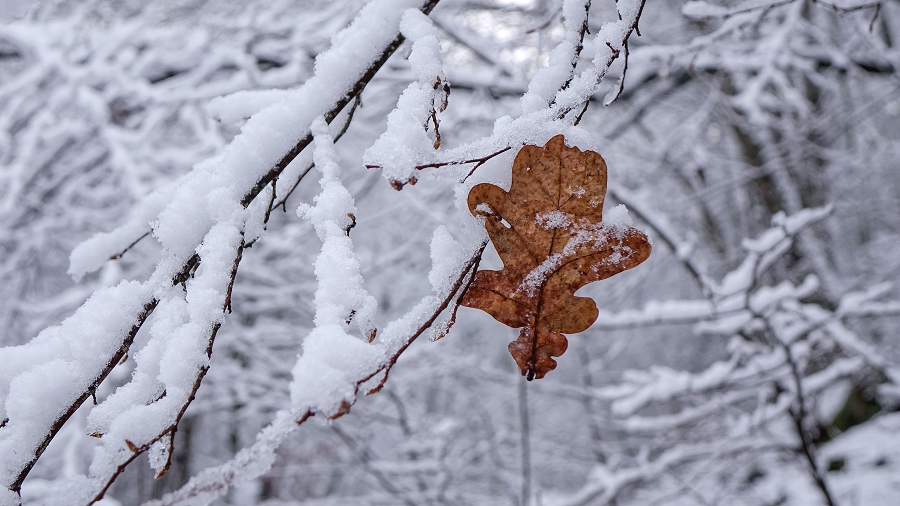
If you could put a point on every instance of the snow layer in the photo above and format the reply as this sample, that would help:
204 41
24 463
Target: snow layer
39 379
95 252
406 143
241 105
333 361
548 81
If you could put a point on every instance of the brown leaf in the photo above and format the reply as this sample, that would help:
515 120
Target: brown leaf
547 230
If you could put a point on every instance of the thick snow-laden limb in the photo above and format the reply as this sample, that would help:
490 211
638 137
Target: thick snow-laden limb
39 380
203 304
144 412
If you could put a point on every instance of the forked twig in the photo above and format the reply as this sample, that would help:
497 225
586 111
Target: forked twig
452 320
471 266
282 203
621 86
613 56
477 161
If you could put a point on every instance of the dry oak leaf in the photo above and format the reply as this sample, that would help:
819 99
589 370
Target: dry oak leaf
547 229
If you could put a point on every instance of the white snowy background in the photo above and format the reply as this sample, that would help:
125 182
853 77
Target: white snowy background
754 359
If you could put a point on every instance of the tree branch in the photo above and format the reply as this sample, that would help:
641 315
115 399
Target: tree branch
173 427
191 265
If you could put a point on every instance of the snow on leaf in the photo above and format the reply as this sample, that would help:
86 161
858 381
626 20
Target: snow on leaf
544 263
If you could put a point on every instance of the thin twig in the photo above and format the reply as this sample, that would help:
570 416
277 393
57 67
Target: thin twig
583 110
477 161
357 102
386 367
874 17
780 3
435 165
462 293
545 24
576 54
799 414
437 130
169 453
844 10
621 86
271 203
282 203
613 55
119 254
673 243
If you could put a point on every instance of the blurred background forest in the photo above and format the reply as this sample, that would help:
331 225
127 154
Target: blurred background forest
752 360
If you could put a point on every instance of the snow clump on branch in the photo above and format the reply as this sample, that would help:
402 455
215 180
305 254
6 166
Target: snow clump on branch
333 361
406 144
